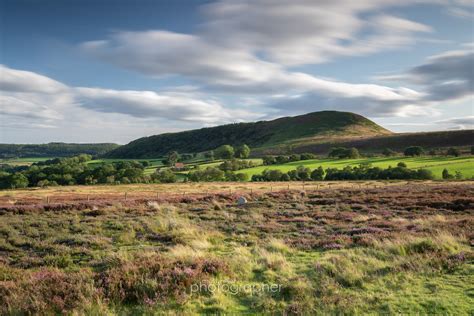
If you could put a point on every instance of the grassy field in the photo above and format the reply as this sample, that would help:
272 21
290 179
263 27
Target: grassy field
396 249
23 161
436 164
463 164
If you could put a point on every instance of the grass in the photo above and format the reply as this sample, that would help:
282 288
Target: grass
436 164
24 161
402 249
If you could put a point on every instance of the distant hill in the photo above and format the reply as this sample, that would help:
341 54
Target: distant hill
54 149
285 130
398 142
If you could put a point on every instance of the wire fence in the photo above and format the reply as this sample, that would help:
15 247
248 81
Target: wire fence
175 192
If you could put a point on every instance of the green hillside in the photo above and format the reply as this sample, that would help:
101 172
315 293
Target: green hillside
316 125
53 150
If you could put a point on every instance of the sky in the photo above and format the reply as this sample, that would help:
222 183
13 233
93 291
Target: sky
116 70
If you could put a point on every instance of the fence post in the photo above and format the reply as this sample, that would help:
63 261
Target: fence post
125 196
271 189
88 198
47 199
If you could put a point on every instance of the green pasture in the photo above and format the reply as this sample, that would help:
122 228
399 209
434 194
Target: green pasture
24 161
436 164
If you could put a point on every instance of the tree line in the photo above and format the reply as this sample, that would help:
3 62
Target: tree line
361 172
76 170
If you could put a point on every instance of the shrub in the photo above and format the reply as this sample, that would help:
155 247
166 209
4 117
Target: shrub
234 165
446 175
402 164
272 175
269 160
164 176
208 174
388 152
317 174
453 152
342 152
414 151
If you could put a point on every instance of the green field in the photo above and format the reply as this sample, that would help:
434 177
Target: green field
23 161
436 164
464 164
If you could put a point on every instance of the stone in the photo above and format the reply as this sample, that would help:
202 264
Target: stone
241 201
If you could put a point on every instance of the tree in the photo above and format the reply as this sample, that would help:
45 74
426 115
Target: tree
171 158
337 152
294 157
303 173
472 150
446 174
453 152
164 176
224 152
342 152
402 164
242 151
353 153
209 155
18 180
272 175
414 151
269 160
317 174
388 152
307 156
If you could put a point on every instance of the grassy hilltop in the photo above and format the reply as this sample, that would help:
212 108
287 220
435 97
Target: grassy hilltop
316 125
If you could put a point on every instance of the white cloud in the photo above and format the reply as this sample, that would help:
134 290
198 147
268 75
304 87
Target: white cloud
246 49
50 103
444 77
466 122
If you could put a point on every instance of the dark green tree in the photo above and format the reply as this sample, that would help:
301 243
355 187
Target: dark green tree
414 151
242 151
318 174
17 181
224 152
453 152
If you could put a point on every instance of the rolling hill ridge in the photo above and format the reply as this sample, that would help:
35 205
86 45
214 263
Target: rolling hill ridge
286 130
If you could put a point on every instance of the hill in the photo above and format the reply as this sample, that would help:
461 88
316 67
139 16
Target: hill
398 142
53 149
285 130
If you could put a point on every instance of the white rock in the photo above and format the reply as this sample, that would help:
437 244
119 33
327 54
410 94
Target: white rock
241 201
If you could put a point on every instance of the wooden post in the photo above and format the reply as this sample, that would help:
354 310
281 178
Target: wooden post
251 190
288 187
88 198
125 196
47 199
271 189
157 195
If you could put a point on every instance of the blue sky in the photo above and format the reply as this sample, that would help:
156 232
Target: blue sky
95 71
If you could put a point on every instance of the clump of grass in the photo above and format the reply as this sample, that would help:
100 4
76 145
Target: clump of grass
277 245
